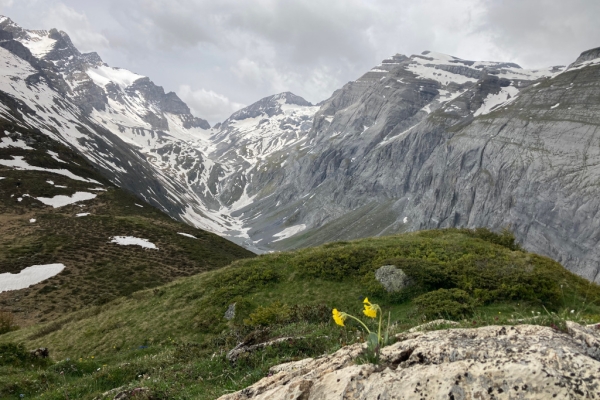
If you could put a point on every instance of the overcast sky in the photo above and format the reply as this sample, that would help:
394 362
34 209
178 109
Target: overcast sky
220 55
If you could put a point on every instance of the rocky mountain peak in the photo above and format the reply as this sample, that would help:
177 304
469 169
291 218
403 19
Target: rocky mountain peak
291 98
269 106
586 56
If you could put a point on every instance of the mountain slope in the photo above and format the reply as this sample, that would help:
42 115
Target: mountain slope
56 209
174 341
136 134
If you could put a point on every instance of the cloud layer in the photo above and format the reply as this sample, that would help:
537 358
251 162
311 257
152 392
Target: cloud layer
219 55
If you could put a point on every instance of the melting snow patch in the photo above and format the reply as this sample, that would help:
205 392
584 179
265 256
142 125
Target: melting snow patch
55 156
98 189
29 276
18 163
288 232
139 205
61 201
32 220
493 101
554 106
133 241
405 220
50 182
7 142
104 74
82 214
1 177
187 235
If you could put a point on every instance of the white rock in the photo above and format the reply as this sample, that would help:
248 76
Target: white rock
501 362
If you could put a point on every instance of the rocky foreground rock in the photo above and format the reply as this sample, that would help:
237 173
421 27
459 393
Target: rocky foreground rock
494 362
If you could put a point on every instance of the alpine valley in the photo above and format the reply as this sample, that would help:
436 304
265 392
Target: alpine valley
421 142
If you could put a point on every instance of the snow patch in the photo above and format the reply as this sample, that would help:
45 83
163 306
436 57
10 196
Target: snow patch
39 45
187 235
288 232
82 214
19 163
103 75
32 220
554 106
133 241
493 101
55 156
29 276
61 201
6 142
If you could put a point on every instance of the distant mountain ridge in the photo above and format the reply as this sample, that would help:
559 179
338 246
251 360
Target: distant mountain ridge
417 142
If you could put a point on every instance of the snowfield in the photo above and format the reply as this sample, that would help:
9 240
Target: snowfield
61 201
29 276
133 241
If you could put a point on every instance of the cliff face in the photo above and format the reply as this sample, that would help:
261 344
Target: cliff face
417 147
503 362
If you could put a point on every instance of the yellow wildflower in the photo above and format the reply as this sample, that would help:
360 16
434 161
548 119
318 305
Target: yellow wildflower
338 317
370 309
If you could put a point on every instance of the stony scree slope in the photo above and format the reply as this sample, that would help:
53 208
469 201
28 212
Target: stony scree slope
417 142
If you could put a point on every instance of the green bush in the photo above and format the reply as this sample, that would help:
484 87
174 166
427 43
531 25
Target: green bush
444 303
311 313
15 355
275 313
336 263
7 322
505 239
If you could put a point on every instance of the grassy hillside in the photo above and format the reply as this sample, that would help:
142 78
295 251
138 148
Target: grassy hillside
97 271
173 340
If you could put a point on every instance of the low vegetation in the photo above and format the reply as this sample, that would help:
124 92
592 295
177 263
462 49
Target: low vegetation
172 341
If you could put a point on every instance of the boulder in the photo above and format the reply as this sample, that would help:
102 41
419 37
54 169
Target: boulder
499 362
40 353
230 313
392 278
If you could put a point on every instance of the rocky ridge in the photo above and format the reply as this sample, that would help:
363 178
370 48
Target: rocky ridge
500 362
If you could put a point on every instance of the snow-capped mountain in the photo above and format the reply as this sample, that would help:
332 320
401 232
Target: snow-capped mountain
137 134
421 141
142 138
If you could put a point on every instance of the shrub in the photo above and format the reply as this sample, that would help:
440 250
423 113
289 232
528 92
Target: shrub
444 303
336 263
311 313
275 313
7 322
505 239
16 355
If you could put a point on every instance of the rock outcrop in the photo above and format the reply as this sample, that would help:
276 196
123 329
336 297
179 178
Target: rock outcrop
494 362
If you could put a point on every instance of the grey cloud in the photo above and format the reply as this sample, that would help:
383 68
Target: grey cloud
220 53
543 32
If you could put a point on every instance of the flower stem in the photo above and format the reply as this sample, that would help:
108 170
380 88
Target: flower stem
379 332
362 323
